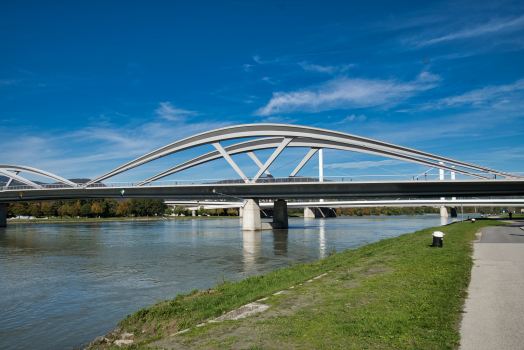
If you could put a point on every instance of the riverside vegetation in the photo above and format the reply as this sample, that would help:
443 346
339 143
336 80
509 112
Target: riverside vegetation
396 293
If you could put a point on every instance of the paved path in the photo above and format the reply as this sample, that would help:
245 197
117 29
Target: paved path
494 310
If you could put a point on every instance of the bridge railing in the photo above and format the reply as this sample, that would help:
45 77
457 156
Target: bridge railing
296 179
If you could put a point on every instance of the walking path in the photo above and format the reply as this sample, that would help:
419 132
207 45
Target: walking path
494 310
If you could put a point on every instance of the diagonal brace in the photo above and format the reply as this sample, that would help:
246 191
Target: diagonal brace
259 163
308 156
274 156
19 178
227 157
11 179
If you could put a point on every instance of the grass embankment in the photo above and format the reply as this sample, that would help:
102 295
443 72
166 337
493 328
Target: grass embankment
396 293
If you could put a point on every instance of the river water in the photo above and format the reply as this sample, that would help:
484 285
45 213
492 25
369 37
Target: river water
62 285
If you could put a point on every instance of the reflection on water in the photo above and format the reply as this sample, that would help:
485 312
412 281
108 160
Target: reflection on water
252 243
322 239
62 285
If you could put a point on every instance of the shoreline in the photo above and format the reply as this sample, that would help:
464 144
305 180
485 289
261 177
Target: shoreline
74 221
403 268
90 220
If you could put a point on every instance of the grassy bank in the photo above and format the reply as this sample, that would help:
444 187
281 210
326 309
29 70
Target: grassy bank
396 293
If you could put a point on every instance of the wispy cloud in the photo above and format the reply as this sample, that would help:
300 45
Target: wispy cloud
364 164
343 93
279 119
492 95
351 118
494 26
325 69
272 81
8 81
170 112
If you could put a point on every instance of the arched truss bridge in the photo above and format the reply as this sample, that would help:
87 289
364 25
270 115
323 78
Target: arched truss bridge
269 136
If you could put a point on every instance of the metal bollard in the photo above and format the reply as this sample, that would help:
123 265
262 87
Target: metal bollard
437 239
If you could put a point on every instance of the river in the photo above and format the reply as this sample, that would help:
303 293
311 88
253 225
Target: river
62 285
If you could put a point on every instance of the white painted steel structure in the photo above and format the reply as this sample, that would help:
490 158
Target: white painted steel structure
268 136
280 136
12 171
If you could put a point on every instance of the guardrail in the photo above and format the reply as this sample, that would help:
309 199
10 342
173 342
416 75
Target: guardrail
346 178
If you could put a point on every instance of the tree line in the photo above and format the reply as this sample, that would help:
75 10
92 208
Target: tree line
107 207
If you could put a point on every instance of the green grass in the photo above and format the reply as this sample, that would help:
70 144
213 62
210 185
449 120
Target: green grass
397 293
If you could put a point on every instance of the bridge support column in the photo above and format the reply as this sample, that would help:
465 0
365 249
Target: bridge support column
241 211
443 212
309 212
453 213
320 212
193 212
280 213
3 215
251 219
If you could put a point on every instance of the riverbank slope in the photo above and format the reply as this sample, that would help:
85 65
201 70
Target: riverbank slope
396 293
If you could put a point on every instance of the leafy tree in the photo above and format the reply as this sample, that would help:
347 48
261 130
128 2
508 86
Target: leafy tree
148 206
202 211
123 209
180 209
34 210
48 209
74 210
232 212
112 206
19 210
220 211
96 209
62 210
85 210
168 211
213 212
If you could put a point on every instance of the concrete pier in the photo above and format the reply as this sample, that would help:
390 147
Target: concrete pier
280 213
3 215
320 212
453 213
443 212
251 219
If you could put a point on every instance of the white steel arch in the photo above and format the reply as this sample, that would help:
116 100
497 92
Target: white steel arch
273 142
304 135
5 169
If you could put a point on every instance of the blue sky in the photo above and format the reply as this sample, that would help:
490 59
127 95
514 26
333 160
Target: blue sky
87 86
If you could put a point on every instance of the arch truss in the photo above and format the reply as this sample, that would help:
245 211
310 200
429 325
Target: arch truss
281 136
12 171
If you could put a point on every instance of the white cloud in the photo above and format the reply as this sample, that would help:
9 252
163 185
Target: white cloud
493 95
279 119
351 118
8 82
364 164
325 69
170 112
494 26
271 80
343 93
